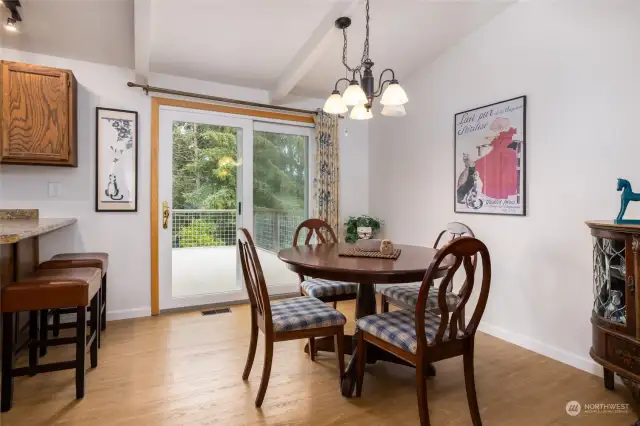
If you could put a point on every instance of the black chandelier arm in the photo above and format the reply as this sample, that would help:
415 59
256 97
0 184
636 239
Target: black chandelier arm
381 82
338 82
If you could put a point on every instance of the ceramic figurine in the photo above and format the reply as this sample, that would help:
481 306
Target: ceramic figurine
627 195
613 309
386 247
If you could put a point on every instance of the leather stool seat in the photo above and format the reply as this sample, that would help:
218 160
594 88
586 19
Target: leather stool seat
50 289
38 293
78 260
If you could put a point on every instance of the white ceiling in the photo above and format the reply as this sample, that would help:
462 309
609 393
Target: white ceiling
285 46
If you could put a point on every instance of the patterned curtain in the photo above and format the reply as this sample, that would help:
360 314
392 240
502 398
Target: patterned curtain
327 177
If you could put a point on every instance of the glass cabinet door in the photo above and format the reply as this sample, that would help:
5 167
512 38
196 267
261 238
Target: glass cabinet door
613 284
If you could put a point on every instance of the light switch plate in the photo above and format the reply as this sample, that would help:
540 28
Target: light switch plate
54 189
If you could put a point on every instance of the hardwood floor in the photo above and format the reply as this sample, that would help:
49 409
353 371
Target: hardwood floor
185 369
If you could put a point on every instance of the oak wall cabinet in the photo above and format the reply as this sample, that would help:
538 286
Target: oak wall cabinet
39 118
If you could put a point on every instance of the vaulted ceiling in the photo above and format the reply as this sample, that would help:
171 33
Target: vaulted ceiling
283 46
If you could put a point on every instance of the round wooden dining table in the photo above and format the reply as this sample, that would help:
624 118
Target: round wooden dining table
324 261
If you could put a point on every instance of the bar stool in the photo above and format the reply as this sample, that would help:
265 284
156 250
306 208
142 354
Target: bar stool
43 290
80 260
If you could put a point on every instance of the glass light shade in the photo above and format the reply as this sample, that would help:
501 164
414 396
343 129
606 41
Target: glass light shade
335 104
394 111
354 95
394 94
360 112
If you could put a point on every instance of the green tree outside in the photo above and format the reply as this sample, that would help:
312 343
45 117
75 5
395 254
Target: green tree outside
205 168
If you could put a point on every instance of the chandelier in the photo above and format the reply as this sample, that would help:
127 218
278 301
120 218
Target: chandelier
360 94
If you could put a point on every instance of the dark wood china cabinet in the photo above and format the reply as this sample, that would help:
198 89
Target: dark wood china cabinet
616 326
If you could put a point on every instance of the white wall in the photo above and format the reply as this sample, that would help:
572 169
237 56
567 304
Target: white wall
579 64
125 236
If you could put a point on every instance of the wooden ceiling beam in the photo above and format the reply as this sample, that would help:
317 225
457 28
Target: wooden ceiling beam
310 51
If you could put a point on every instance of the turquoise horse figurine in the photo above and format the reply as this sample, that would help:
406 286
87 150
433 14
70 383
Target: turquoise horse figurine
627 195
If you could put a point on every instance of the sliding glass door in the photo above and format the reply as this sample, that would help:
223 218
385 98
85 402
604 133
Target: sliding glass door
280 194
219 172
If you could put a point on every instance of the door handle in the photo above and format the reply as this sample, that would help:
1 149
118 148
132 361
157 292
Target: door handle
166 211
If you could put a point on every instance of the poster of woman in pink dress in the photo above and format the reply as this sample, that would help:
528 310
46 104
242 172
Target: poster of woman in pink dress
490 159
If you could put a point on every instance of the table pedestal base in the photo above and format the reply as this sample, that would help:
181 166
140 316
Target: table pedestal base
365 305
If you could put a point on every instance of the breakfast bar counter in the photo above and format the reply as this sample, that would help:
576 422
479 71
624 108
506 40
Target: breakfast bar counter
15 230
19 251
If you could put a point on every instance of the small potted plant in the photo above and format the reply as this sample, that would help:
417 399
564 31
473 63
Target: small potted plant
361 227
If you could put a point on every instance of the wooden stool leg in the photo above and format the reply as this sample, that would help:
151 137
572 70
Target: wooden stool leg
56 322
103 303
94 329
44 331
7 362
33 342
81 349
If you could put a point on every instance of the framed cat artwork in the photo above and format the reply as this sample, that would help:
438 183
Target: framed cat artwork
116 160
489 159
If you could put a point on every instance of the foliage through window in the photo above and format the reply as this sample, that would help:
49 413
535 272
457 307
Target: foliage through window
205 170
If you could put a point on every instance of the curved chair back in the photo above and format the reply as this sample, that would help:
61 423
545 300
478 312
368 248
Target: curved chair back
254 280
454 230
319 227
322 231
459 252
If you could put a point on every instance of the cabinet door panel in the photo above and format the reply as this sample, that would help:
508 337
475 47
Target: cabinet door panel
35 113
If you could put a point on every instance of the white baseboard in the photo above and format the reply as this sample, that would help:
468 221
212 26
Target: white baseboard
582 363
128 314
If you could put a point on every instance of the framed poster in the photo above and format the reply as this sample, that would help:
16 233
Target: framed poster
116 160
489 156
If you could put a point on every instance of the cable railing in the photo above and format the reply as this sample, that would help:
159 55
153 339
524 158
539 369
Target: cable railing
273 229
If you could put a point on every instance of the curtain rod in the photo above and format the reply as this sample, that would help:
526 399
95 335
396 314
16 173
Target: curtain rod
148 89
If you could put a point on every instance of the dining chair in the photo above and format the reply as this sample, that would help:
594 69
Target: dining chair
419 336
290 319
326 290
405 296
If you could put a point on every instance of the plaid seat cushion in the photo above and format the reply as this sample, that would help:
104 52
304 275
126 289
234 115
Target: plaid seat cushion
303 313
408 294
318 287
399 328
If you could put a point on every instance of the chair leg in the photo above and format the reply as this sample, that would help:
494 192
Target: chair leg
33 338
361 357
252 348
56 322
266 370
339 345
103 304
81 349
44 331
94 328
421 384
469 380
384 303
7 362
312 348
335 305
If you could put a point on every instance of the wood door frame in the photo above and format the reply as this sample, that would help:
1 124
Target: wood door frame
156 103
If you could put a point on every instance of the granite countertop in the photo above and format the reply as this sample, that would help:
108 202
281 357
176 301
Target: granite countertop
14 230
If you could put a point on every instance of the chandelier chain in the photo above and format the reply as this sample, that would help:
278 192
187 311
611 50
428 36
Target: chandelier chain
365 50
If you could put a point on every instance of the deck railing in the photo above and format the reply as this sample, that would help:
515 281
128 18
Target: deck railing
273 229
